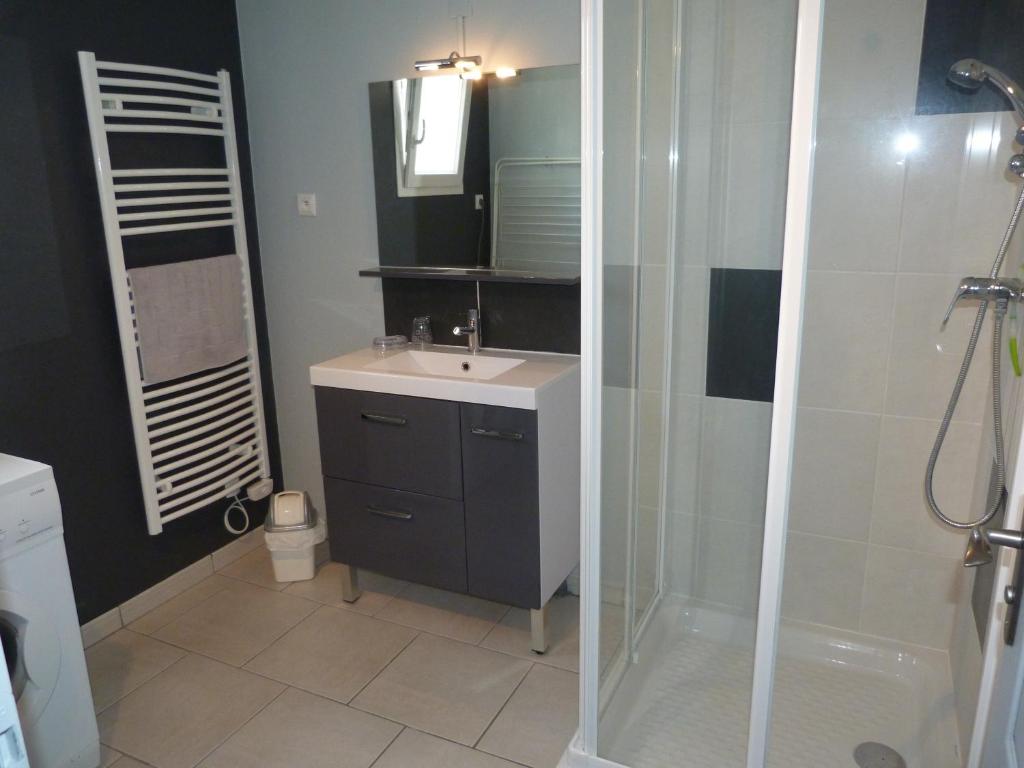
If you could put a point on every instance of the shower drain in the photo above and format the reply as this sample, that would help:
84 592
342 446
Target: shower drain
871 754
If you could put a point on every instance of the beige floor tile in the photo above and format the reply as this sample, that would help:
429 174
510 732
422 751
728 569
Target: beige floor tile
440 686
122 662
450 614
167 612
538 721
413 748
256 568
326 588
178 717
129 762
333 653
236 623
512 634
300 730
108 756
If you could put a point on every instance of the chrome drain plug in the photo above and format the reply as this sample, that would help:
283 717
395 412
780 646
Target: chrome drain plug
871 754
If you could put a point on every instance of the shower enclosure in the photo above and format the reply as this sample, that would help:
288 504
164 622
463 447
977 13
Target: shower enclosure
781 198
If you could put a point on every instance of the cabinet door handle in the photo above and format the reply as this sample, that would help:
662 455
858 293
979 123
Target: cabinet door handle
496 433
394 514
383 418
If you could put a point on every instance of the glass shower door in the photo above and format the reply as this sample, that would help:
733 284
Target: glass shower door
696 135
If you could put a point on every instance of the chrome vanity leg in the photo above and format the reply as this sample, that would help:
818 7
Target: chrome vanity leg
350 591
539 629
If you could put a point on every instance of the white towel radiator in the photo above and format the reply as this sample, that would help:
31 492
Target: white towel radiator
202 437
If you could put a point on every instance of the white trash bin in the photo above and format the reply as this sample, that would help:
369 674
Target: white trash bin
292 531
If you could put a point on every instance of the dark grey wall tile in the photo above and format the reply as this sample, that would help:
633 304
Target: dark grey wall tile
446 301
743 327
543 318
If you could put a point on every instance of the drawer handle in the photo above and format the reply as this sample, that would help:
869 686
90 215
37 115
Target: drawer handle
496 433
382 418
394 514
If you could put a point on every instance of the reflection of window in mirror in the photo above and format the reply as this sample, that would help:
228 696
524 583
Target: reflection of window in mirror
431 117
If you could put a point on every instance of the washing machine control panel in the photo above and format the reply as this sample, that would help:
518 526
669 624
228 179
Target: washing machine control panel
29 513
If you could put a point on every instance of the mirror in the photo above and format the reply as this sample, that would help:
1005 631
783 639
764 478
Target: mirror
480 175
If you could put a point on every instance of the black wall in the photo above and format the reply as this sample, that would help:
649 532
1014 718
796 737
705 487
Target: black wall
433 230
990 30
541 318
62 391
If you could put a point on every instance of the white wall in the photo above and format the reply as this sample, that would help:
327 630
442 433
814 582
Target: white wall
307 65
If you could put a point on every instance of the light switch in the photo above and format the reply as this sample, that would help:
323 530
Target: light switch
306 202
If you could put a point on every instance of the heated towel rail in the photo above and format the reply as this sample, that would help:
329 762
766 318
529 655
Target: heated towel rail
201 437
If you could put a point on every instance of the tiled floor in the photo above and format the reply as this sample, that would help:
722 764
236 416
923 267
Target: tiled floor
238 671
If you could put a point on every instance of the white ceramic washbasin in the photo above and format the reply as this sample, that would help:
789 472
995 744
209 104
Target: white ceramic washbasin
422 362
492 377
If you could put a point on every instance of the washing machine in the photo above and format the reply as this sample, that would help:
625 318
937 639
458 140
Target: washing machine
39 629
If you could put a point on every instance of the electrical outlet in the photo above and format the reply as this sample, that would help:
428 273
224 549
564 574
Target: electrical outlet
478 202
306 203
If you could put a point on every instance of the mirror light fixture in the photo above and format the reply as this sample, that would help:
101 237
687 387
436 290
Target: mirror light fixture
453 61
505 72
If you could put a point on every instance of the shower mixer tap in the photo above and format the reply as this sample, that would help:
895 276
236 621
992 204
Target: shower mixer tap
999 290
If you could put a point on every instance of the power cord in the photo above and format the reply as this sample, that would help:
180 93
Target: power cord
237 504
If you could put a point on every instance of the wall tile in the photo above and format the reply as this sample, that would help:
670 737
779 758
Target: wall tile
690 330
649 432
743 322
730 563
646 562
754 200
900 517
909 596
824 580
834 473
858 191
758 38
653 326
682 552
847 320
870 57
684 454
545 318
617 405
445 301
925 357
734 459
959 195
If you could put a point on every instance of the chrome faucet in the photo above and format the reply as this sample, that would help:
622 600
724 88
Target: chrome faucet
471 331
1000 290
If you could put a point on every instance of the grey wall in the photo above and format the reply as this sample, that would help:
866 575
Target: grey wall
307 67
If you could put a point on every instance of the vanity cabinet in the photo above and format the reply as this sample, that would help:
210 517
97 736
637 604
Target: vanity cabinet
473 498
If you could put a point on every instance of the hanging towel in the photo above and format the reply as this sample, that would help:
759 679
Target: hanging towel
189 316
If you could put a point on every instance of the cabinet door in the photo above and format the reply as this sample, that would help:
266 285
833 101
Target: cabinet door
405 535
499 470
408 443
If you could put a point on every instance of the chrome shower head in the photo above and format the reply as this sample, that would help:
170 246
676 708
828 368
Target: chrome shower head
979 550
971 73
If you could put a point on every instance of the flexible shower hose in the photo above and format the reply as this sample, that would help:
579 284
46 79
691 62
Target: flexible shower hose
997 393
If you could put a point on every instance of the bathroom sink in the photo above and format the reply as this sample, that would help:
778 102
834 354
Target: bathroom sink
490 377
447 364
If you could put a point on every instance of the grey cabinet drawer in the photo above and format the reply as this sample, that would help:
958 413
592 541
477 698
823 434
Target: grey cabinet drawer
499 461
409 443
405 535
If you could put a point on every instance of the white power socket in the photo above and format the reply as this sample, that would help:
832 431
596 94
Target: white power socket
306 203
260 489
478 202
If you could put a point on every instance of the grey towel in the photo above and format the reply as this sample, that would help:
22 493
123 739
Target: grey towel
189 316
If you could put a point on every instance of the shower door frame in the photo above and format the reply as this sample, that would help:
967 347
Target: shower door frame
583 750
